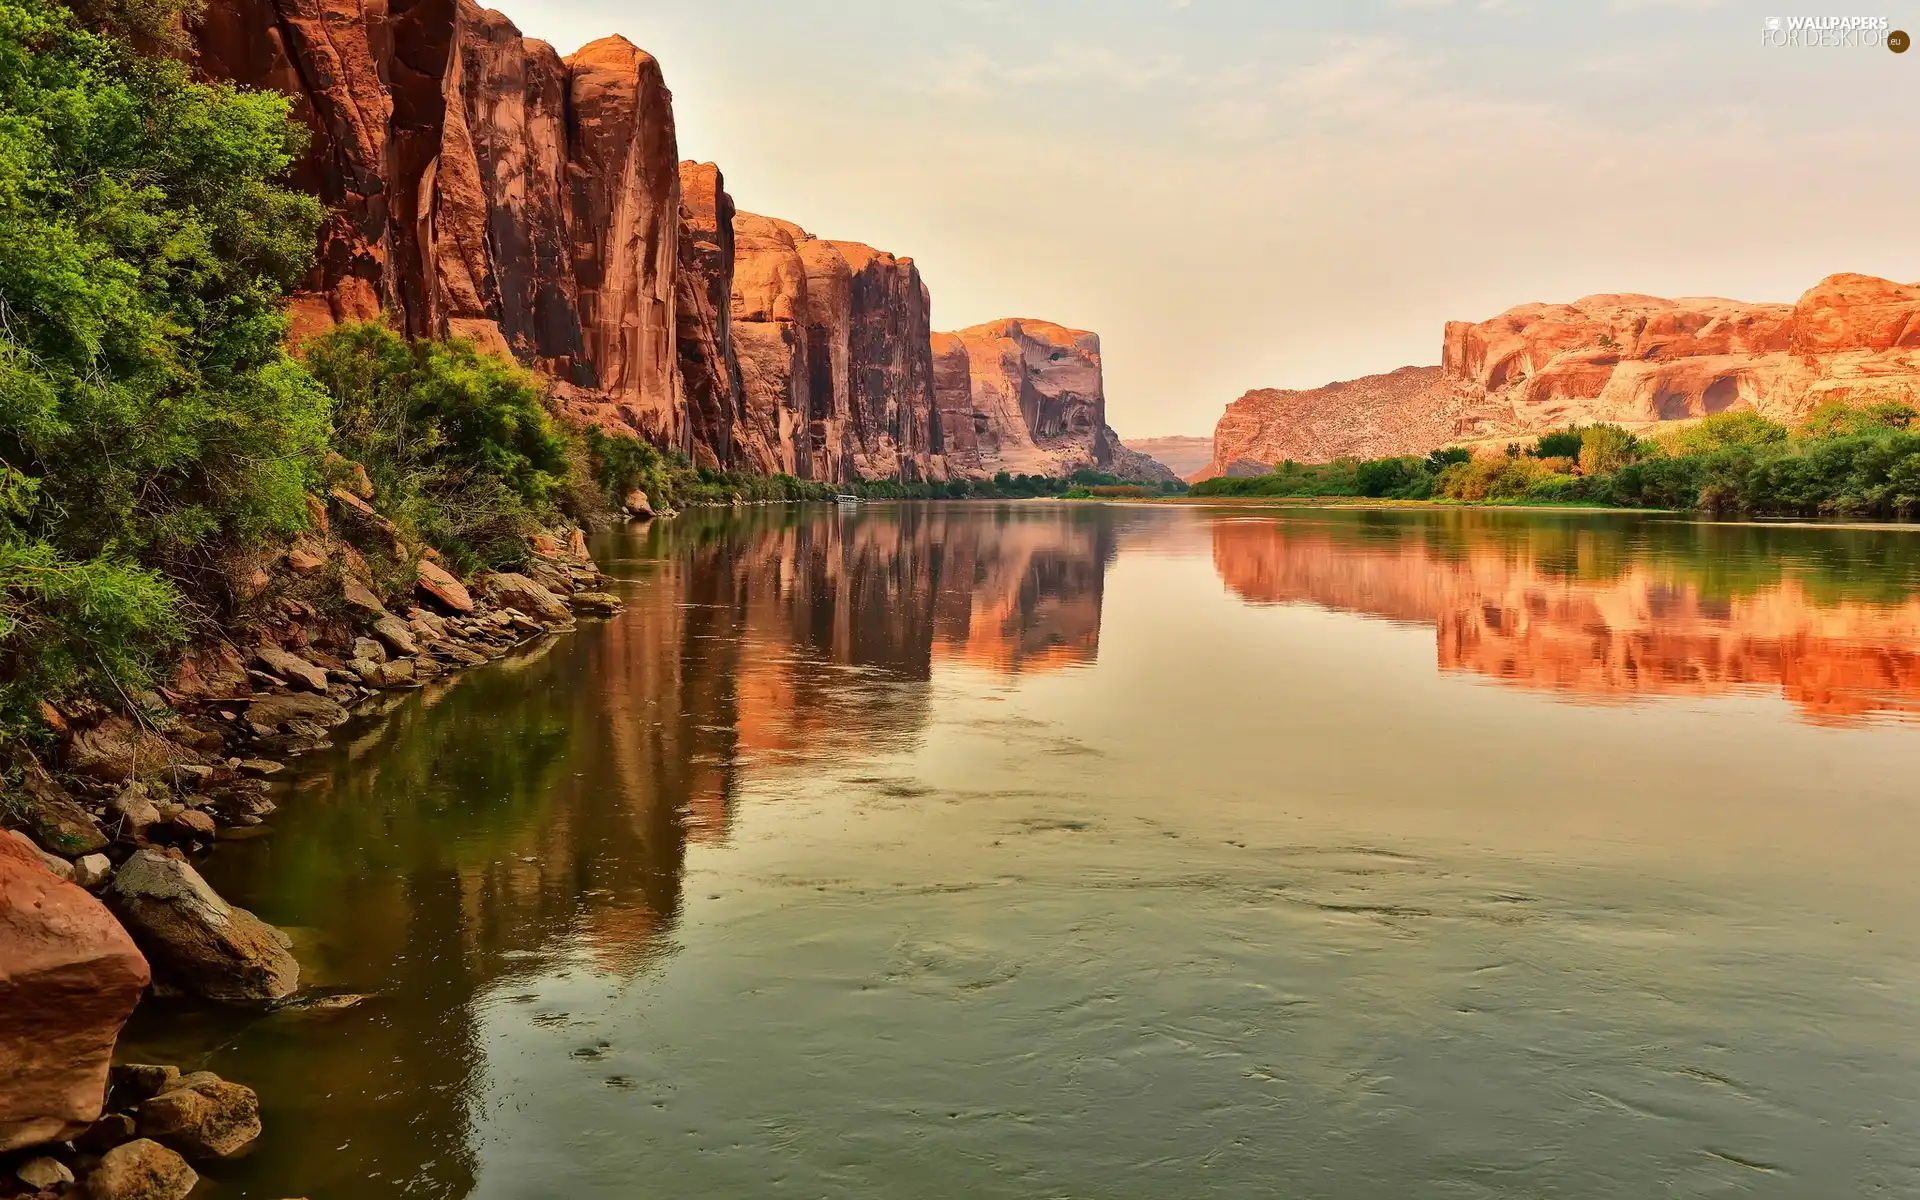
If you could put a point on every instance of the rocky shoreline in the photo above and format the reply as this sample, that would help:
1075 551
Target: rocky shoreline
100 903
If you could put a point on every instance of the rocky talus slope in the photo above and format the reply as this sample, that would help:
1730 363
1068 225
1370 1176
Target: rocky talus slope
1629 359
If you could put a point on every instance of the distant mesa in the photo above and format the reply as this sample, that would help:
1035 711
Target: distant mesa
1179 454
1632 360
480 185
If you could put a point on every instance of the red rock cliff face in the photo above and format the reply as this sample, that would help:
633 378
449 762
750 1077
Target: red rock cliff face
482 186
709 369
1629 359
835 352
1036 395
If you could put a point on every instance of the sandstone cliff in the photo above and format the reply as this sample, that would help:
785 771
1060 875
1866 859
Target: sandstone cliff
835 354
1629 359
1181 455
480 185
1411 410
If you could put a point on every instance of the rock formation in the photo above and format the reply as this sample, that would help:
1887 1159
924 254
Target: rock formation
1035 394
1629 359
709 370
835 353
69 978
1181 455
1373 416
479 185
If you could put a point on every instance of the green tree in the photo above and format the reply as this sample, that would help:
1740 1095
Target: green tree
1604 449
149 416
459 444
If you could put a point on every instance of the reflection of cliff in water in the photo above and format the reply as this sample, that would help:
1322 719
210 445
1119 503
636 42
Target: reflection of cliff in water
1611 610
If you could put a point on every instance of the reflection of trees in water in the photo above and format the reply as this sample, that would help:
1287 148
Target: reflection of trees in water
486 827
1606 607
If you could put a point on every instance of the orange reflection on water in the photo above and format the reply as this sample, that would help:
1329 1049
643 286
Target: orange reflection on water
1578 615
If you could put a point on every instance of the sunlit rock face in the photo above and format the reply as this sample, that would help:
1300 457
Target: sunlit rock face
1629 359
836 353
481 185
1037 396
1182 455
1552 613
1370 417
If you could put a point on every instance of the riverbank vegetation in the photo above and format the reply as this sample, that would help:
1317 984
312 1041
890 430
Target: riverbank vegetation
1840 460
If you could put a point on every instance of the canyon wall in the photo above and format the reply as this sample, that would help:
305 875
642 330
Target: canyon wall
836 354
480 185
1181 455
1029 397
1628 359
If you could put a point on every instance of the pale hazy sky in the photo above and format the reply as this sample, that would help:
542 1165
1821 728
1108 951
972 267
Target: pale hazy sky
1261 193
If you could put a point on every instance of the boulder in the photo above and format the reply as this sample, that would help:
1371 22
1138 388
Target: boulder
69 977
202 1116
360 596
114 1129
438 584
55 866
638 506
131 813
205 945
278 711
291 667
510 590
134 1082
194 825
92 870
369 648
601 604
44 1174
116 748
141 1170
397 635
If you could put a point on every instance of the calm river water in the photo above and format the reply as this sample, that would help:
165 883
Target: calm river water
1064 850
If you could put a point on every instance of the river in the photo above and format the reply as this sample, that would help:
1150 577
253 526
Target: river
1070 850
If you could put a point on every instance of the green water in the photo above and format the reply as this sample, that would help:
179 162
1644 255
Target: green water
1055 850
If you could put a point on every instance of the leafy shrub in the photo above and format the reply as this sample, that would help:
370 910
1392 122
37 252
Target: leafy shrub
1723 431
149 416
1604 449
459 445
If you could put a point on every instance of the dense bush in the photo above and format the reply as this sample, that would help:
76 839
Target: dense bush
149 416
460 446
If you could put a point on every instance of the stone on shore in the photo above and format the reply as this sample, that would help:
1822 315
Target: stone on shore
437 583
291 667
276 711
92 870
58 825
202 1116
202 943
397 635
599 604
131 812
141 1170
43 1173
69 977
511 590
116 748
